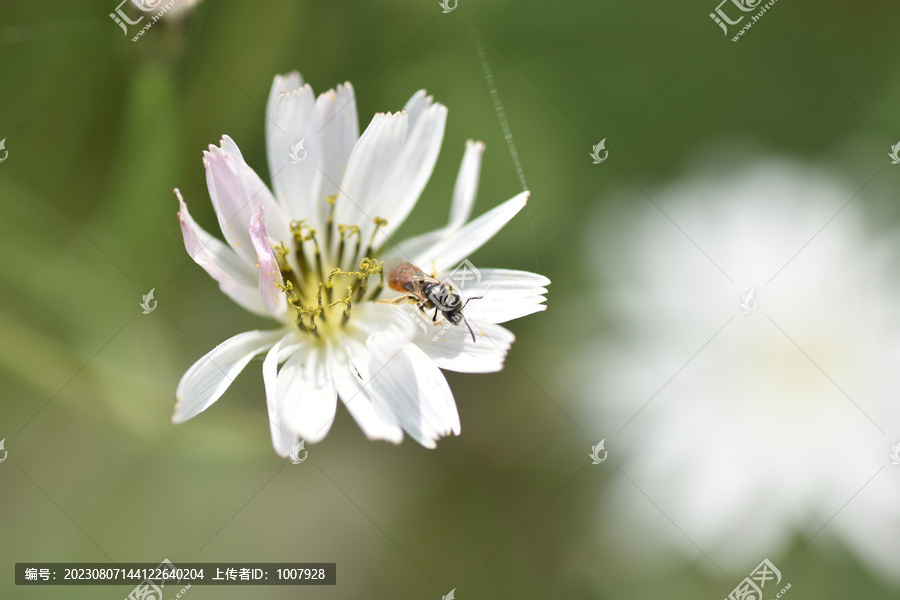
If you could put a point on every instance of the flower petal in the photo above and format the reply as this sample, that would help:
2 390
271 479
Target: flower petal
338 129
283 440
308 395
414 168
466 185
209 377
233 199
451 347
416 106
283 84
370 171
505 295
269 274
259 194
235 277
372 414
463 200
409 383
294 151
457 245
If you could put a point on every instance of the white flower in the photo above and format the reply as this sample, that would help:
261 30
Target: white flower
751 424
180 8
311 256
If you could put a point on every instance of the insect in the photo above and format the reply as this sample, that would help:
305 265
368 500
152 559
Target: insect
428 292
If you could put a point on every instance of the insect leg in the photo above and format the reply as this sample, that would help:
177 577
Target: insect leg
399 299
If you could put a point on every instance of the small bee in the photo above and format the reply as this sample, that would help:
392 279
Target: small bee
428 292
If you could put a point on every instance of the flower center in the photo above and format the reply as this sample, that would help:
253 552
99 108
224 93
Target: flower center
317 288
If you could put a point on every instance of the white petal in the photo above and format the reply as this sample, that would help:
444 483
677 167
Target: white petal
282 84
338 129
209 377
416 105
455 246
291 121
374 417
370 171
235 277
414 169
283 440
415 389
463 200
269 274
505 295
308 395
466 185
454 349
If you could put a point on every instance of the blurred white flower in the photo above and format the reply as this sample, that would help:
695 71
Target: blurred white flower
181 8
749 421
310 256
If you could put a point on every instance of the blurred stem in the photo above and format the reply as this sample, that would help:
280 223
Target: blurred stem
140 208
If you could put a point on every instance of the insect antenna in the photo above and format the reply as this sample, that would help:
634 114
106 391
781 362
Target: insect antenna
469 300
474 341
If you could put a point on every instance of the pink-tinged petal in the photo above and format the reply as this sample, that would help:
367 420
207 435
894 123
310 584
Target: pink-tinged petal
235 277
452 248
451 346
209 377
408 382
234 201
258 194
226 191
270 280
463 200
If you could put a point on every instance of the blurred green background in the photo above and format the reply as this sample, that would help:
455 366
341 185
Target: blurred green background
100 129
